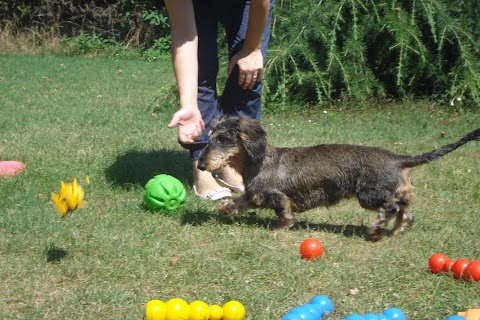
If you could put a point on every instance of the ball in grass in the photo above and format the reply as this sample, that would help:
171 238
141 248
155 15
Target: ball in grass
394 314
155 310
164 193
311 249
176 309
233 310
325 303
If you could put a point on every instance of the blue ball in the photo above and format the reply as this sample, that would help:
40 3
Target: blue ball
315 310
325 302
371 316
383 317
355 317
456 318
290 316
394 314
301 312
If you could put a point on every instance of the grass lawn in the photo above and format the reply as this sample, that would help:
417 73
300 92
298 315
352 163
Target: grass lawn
70 117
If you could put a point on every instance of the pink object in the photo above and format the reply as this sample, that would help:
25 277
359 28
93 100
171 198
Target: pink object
11 168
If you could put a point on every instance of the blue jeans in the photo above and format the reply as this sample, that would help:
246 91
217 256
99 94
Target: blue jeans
233 15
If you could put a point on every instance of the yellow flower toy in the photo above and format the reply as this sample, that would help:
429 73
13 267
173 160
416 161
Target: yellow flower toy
69 198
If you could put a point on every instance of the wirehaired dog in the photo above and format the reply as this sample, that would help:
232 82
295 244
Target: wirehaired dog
290 180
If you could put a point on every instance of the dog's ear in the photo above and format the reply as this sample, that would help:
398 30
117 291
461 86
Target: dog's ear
253 137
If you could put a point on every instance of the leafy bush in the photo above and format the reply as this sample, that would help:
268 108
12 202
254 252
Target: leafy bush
358 49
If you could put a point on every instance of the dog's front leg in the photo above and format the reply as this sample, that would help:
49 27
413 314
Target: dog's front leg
282 205
234 206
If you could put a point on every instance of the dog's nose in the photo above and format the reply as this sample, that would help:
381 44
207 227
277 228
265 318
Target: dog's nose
201 165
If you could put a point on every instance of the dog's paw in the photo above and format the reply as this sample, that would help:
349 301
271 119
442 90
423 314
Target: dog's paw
287 223
228 207
375 233
405 224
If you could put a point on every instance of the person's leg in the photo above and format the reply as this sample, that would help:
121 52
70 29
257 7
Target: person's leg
236 100
203 182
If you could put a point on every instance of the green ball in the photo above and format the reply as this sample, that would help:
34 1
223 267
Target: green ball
164 193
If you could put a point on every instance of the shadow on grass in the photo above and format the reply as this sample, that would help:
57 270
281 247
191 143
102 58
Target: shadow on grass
252 219
135 168
55 254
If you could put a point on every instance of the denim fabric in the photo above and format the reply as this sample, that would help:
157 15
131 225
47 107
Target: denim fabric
233 16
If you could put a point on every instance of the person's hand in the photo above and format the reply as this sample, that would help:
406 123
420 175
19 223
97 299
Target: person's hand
250 64
190 124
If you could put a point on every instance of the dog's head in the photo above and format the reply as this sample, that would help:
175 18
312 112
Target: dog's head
233 141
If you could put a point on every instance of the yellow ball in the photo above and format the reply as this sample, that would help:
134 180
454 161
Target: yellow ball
198 311
233 310
215 312
176 309
155 310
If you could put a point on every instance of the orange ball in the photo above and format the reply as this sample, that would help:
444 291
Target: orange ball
311 249
459 267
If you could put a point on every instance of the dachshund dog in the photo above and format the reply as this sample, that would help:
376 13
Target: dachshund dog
290 180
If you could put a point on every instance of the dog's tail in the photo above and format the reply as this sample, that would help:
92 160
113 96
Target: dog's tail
412 161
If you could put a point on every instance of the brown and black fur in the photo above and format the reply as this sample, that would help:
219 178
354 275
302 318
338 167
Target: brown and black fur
290 180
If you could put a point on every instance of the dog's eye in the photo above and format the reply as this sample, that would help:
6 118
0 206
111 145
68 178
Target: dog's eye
221 139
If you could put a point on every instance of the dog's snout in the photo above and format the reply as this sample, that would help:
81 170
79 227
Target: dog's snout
201 164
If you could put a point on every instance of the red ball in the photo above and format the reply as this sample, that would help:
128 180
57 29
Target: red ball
311 249
472 273
459 268
447 267
437 262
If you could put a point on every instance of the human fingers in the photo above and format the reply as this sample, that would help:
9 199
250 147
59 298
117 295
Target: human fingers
247 80
174 121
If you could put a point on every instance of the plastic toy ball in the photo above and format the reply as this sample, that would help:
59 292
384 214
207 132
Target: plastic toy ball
325 303
371 316
472 273
176 309
290 316
164 193
455 318
355 317
436 262
215 312
382 317
233 310
155 310
300 312
315 311
311 249
394 314
198 310
459 268
447 267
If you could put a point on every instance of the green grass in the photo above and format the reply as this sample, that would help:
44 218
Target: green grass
66 117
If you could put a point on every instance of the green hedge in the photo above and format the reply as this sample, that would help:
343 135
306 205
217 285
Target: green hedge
326 50
320 51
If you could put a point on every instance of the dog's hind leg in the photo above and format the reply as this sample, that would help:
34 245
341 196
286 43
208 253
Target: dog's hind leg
403 222
403 196
379 228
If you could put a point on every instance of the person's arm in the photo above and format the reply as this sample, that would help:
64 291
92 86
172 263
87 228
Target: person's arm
185 64
250 58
